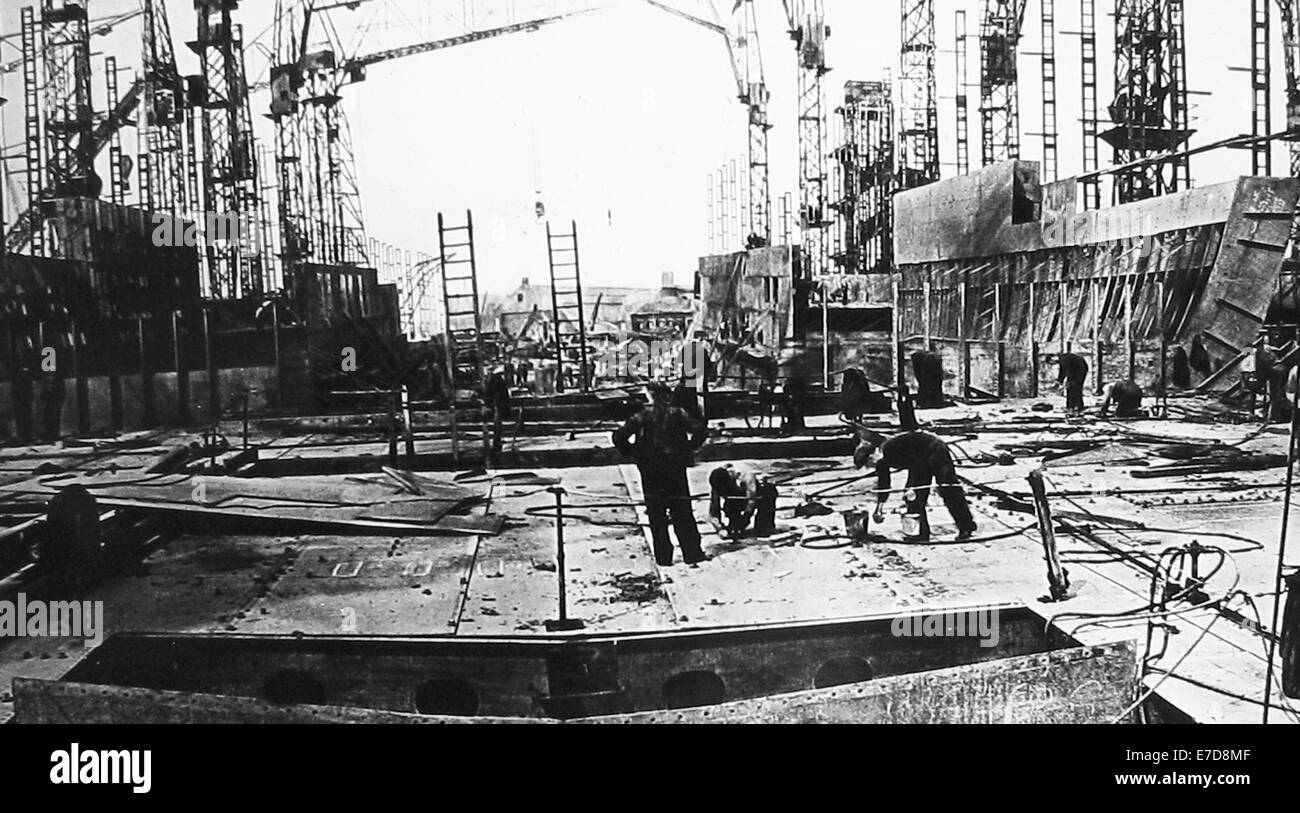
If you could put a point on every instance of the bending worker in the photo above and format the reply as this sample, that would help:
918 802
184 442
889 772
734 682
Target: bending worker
666 439
927 461
742 496
1127 398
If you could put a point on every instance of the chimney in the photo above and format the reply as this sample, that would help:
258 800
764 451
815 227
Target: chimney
524 283
668 280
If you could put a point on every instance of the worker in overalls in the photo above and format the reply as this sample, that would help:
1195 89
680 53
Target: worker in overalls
929 464
663 440
739 496
1127 399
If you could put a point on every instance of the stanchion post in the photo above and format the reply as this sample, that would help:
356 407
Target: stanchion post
563 623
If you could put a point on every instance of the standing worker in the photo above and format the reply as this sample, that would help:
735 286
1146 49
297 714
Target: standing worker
23 392
666 440
742 496
927 367
927 461
53 394
1074 374
497 397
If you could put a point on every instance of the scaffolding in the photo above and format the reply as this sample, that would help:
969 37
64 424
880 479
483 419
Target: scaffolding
1261 86
166 154
866 175
1090 118
1051 150
66 102
34 228
1000 28
918 107
116 174
809 32
963 97
230 186
755 99
1150 111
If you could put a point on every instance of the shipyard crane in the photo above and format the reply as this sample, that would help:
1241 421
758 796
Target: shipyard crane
25 227
1001 28
1290 11
320 174
745 54
168 179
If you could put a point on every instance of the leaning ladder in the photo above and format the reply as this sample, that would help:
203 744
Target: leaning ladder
463 329
566 308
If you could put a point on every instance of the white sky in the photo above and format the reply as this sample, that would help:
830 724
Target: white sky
619 116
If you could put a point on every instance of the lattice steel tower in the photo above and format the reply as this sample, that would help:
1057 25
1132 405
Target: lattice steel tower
66 102
1150 112
866 166
1000 24
918 135
808 29
231 195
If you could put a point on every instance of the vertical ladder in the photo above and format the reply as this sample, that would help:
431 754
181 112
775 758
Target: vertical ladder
32 124
465 357
566 308
116 181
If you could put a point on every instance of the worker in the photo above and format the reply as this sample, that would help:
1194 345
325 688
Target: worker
927 367
906 410
927 461
794 404
1127 398
23 393
1199 358
687 398
666 440
855 394
1272 369
742 496
496 397
1180 369
1074 374
53 394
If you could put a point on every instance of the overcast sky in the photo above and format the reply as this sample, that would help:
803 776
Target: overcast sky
616 118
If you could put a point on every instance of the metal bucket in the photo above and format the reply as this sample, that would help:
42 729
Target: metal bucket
857 521
911 525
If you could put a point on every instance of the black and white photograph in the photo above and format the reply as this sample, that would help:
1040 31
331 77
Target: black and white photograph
559 362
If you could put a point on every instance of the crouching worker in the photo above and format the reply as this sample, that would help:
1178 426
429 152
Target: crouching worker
927 460
742 497
663 440
1127 398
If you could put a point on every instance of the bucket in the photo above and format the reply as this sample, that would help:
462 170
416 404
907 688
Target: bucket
911 525
857 521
